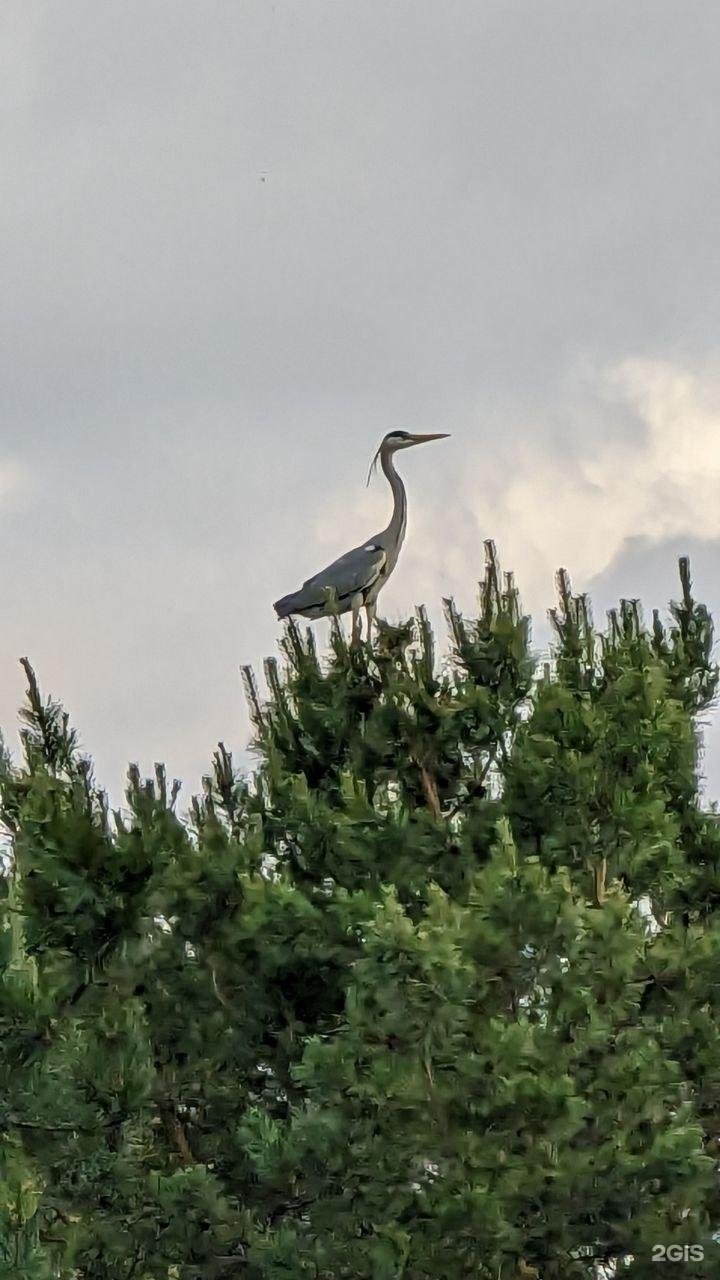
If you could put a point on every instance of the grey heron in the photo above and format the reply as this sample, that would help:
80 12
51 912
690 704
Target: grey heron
355 580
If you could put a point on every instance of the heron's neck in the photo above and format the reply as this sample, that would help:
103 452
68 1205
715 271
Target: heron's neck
396 528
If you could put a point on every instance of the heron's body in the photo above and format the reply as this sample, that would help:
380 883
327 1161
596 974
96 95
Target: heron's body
355 580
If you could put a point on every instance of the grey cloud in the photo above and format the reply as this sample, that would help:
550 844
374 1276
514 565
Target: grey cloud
238 241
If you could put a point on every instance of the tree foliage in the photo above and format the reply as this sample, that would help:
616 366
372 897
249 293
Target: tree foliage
433 994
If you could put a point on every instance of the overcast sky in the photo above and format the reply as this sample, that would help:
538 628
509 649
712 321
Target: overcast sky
242 239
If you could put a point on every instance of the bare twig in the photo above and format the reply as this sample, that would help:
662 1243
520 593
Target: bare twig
174 1131
430 790
599 875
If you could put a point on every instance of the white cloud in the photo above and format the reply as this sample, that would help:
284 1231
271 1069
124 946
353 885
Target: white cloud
659 478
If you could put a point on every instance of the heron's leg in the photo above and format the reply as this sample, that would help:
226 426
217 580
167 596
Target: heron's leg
370 612
356 634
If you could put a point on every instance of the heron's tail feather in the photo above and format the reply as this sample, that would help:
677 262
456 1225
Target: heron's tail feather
287 605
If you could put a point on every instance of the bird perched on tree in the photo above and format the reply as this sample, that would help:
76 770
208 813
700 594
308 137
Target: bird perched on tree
355 580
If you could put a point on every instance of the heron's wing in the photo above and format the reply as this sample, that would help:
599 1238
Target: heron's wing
353 573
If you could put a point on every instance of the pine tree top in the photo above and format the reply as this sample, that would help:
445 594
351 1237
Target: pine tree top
432 993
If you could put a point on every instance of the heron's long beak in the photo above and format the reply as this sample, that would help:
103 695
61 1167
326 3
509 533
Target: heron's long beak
435 435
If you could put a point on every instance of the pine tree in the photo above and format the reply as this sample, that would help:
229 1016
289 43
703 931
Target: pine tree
432 995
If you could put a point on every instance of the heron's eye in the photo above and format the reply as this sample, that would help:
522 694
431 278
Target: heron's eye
398 435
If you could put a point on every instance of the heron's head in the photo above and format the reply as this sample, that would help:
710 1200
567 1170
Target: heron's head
396 440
